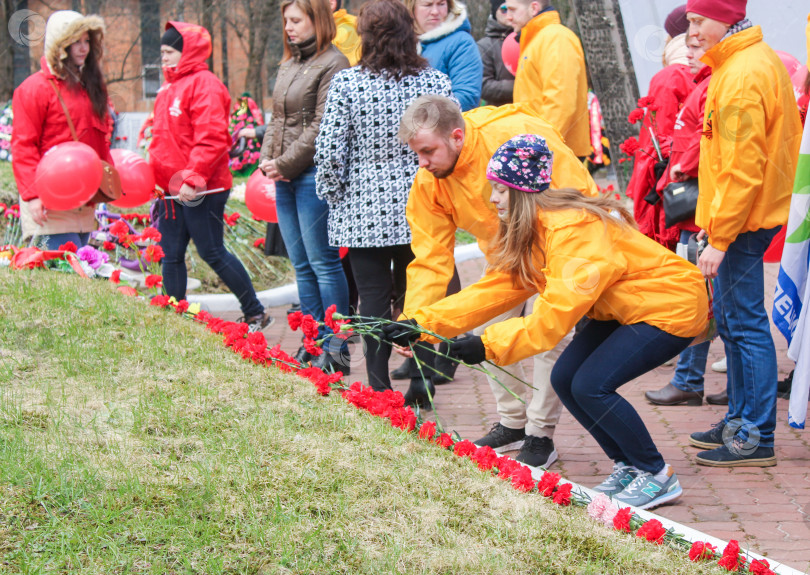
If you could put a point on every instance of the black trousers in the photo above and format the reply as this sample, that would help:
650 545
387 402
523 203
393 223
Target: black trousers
377 287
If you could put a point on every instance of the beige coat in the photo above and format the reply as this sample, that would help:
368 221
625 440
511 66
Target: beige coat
298 102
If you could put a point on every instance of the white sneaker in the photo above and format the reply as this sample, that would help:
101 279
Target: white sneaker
720 366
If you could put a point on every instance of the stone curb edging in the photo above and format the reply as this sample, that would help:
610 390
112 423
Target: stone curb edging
288 294
688 533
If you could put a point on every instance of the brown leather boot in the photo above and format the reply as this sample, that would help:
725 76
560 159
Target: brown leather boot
671 395
718 398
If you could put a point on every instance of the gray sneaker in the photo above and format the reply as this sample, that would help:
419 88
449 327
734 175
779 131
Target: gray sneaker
617 481
645 492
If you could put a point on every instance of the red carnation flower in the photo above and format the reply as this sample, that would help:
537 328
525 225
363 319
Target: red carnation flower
159 301
646 102
653 531
444 440
153 254
702 551
622 520
108 246
69 247
181 306
328 320
294 320
151 233
548 481
232 219
635 116
311 347
485 457
630 146
731 560
259 243
153 280
115 277
522 479
507 467
404 418
309 326
119 229
760 567
563 494
428 430
464 448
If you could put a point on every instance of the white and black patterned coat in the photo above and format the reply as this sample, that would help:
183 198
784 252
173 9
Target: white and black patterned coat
364 171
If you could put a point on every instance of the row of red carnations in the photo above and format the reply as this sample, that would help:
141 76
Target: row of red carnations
390 405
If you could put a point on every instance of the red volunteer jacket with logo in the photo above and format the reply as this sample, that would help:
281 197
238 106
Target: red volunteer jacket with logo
190 140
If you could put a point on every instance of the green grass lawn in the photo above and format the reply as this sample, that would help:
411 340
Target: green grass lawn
133 441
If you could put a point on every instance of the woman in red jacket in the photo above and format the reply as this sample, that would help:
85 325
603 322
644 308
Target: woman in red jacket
189 155
71 65
686 385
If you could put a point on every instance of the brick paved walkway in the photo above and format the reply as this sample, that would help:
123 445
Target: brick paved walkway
765 509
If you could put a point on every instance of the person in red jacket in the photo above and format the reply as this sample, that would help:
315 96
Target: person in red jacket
668 91
686 386
70 64
189 156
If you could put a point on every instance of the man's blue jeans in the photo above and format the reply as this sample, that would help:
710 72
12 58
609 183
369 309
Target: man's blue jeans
742 321
56 240
318 273
692 362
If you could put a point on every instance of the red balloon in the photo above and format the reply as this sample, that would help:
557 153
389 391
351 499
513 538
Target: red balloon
260 197
68 175
791 63
510 52
137 179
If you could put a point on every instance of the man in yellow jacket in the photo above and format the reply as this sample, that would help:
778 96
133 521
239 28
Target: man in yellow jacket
551 74
451 192
346 38
748 157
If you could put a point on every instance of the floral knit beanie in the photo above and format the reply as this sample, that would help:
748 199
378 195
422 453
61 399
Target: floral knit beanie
523 163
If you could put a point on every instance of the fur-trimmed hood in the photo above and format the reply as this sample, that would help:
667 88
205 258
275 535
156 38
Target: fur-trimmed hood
453 22
65 27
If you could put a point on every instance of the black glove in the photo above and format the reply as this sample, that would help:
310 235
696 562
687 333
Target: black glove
400 333
470 349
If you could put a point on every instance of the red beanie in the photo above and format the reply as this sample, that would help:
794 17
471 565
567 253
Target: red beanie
725 11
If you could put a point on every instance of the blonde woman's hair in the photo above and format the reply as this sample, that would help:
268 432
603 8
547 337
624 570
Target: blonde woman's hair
431 112
453 7
519 234
320 13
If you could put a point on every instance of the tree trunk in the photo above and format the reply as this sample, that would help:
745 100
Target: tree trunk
208 23
258 37
6 53
610 69
223 7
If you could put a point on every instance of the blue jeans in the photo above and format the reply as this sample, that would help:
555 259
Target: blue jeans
318 272
692 362
202 223
742 322
602 357
55 240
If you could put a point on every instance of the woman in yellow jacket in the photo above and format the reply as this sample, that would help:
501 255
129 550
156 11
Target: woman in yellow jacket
645 303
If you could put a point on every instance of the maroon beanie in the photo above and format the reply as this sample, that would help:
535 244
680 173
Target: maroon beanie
725 11
676 23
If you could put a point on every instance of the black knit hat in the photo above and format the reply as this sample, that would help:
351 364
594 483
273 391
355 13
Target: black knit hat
172 38
495 4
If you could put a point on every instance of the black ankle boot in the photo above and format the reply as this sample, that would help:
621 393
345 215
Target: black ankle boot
404 370
302 356
417 394
445 370
329 363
